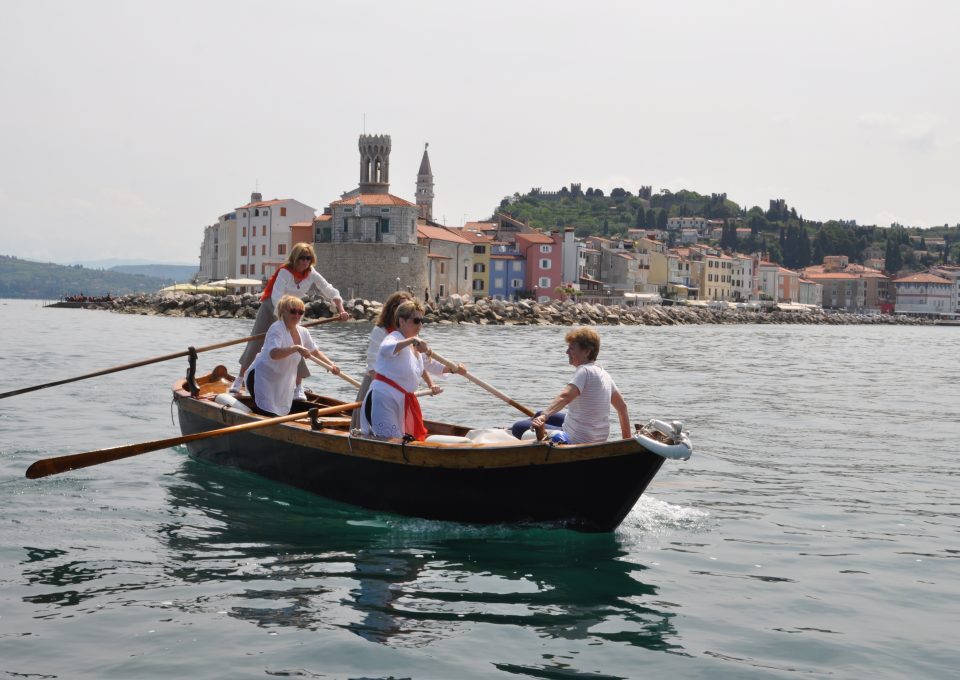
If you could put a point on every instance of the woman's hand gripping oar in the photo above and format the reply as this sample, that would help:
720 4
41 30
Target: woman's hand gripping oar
454 368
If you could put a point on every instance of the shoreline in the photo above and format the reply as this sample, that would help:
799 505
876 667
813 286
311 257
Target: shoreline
454 310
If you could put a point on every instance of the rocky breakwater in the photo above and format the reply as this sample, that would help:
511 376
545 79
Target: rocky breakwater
456 309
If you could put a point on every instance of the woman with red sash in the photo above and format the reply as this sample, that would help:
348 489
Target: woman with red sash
391 409
383 326
293 278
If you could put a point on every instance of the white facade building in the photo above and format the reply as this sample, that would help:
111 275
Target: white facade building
923 294
263 234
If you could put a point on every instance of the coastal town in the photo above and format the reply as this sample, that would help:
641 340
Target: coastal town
370 243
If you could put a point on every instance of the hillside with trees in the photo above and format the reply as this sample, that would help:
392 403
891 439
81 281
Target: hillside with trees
780 232
48 281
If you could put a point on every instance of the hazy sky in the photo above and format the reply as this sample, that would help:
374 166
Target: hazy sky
126 127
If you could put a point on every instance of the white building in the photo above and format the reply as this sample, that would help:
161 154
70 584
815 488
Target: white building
744 284
924 293
951 272
263 238
700 224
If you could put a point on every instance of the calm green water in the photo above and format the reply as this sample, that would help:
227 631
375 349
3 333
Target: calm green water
815 532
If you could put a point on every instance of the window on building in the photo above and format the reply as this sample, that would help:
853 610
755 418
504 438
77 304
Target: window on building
256 212
465 274
244 234
385 225
480 250
498 283
516 266
263 230
443 267
243 251
281 249
543 282
516 283
349 211
346 225
263 269
263 249
498 265
546 249
265 212
243 269
544 263
477 284
479 268
283 212
244 214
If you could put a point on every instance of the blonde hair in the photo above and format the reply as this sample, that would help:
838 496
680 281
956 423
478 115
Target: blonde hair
388 315
287 303
299 250
405 309
585 338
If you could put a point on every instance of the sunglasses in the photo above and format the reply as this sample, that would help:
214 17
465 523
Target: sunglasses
415 319
304 257
295 312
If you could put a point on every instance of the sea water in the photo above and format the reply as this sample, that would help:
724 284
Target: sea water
814 533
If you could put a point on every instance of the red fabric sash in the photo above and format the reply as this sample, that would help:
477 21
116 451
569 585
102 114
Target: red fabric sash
268 289
412 416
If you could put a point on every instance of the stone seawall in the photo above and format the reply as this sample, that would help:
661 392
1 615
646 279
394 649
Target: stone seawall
496 312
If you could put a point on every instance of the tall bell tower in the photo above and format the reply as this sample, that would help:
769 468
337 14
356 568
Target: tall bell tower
425 186
374 164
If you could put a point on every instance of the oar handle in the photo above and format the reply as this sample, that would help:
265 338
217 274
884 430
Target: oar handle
53 466
352 381
154 360
477 381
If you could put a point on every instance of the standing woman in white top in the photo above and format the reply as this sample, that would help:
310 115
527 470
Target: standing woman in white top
293 278
272 377
391 408
589 395
381 329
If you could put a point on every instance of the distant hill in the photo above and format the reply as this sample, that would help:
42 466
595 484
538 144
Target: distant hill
177 272
47 281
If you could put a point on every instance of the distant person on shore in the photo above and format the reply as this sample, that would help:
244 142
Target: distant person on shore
391 408
381 329
293 278
589 395
273 375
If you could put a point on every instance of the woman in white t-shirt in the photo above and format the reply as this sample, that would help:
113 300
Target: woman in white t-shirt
588 396
272 377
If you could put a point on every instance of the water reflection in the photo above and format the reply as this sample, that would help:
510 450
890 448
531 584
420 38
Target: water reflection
279 557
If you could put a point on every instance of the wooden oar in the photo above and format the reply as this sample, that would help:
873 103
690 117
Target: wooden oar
53 466
154 360
352 381
477 381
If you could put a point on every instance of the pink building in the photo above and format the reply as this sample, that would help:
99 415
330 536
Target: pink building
544 258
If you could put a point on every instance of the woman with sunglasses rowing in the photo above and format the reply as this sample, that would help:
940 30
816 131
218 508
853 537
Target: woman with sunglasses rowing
293 278
391 409
272 377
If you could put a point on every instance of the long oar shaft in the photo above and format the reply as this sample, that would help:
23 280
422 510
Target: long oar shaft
349 379
146 362
53 466
488 387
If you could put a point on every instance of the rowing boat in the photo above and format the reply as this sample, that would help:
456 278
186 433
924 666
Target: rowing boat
455 475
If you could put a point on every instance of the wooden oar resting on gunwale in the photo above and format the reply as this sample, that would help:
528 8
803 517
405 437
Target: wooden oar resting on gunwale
154 360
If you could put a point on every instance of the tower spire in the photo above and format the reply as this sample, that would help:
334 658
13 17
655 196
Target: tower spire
425 186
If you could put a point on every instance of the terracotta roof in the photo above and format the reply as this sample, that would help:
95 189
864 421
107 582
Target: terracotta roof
302 224
439 234
438 256
373 199
535 237
323 218
472 236
923 278
263 204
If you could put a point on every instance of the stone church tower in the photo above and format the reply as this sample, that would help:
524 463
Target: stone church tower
374 164
425 186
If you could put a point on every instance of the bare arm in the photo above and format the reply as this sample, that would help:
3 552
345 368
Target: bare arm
616 399
567 394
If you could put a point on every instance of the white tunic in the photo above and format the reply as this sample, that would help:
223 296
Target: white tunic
588 416
275 379
404 368
285 284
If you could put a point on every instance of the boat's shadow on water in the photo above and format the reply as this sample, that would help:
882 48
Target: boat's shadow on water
277 556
